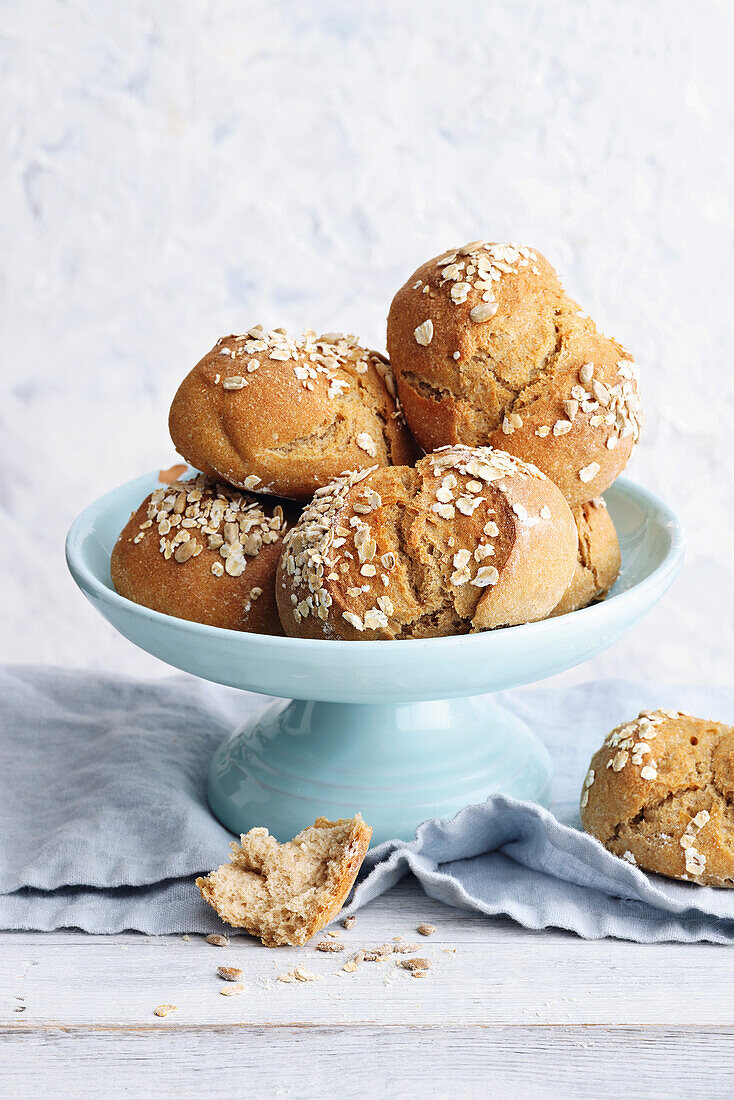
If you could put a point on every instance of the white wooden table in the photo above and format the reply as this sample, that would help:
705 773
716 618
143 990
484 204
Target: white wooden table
502 1012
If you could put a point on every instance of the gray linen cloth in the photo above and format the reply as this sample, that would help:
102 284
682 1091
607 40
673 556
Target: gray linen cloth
104 821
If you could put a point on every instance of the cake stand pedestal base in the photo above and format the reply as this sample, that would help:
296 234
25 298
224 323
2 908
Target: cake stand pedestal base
397 765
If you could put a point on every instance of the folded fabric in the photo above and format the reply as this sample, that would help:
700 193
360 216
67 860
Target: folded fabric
104 822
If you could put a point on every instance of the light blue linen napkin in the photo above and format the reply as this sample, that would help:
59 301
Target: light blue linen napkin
104 822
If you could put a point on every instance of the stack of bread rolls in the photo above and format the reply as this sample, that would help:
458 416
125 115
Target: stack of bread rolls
452 488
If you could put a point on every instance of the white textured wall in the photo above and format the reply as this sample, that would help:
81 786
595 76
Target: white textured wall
171 171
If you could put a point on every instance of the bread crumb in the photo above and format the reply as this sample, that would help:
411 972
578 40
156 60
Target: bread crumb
426 929
349 922
414 964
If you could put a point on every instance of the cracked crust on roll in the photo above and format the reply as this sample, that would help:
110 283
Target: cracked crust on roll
598 561
659 793
282 415
487 348
203 551
468 540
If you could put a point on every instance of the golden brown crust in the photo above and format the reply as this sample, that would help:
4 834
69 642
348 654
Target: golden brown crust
471 539
487 348
659 794
345 873
599 558
229 578
255 891
278 415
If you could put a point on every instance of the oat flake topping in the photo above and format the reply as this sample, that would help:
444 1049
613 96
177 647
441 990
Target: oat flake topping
318 550
474 269
312 356
191 516
632 743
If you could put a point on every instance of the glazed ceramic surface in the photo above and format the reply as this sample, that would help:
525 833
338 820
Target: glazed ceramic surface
379 727
381 672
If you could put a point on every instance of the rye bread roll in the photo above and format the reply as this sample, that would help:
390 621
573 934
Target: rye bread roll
487 348
659 793
282 415
468 540
203 551
598 560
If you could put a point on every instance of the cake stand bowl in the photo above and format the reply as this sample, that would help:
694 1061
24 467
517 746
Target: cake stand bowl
399 731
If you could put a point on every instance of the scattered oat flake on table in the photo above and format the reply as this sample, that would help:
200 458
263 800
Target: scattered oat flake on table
303 975
405 948
329 948
353 962
379 953
426 929
163 1010
229 973
217 941
232 990
349 922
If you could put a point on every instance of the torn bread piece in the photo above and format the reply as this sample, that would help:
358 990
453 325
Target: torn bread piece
285 893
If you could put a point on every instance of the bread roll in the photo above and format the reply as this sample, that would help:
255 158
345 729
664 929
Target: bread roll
487 348
274 414
471 539
598 560
203 551
659 794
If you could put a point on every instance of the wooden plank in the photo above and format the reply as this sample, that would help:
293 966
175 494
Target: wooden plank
504 1011
365 1061
496 981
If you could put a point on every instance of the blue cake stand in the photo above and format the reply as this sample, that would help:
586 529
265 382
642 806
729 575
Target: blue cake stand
395 730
